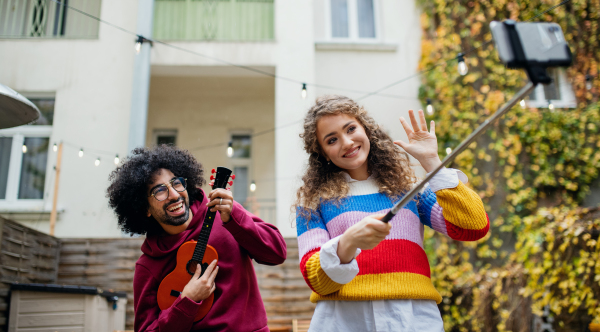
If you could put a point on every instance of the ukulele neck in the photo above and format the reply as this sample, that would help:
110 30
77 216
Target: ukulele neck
204 235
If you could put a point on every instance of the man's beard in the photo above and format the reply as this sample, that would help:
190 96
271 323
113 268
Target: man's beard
178 220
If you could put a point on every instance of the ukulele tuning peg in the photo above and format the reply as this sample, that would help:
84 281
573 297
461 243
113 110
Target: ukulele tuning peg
213 171
212 177
233 176
230 183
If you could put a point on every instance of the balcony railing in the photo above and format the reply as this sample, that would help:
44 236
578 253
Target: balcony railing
47 19
218 20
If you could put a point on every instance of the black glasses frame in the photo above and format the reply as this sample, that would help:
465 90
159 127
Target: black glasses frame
167 185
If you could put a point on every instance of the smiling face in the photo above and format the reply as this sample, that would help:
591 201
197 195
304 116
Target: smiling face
345 143
173 211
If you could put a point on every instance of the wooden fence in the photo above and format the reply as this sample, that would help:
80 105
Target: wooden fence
29 256
26 256
105 263
110 264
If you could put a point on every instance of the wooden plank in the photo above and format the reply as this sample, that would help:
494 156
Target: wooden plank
62 319
51 305
27 295
56 329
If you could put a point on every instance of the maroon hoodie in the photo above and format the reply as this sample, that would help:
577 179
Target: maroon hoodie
237 305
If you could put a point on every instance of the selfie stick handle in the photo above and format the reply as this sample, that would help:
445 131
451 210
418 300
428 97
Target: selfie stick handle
449 158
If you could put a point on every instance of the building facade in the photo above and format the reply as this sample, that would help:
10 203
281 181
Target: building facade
231 74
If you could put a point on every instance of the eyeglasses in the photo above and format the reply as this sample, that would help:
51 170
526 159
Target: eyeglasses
162 192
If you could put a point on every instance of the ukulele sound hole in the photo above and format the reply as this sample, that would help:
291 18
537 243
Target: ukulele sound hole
191 267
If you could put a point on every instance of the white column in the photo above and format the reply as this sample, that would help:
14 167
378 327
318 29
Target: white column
141 77
296 60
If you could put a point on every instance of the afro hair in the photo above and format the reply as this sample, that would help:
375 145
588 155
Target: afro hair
127 193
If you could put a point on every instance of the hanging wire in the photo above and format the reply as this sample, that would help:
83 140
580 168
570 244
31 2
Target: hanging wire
375 92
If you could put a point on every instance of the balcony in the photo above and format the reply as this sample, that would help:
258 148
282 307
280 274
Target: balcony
47 19
214 20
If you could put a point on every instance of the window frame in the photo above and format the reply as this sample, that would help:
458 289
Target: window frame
12 203
567 95
18 135
242 162
353 36
164 132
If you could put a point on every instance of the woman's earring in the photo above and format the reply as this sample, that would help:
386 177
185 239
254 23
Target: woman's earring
328 162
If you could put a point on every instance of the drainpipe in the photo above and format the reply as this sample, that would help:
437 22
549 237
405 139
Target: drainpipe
141 77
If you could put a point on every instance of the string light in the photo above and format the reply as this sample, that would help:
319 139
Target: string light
24 148
550 105
253 186
229 149
448 150
462 66
588 81
522 103
117 159
54 147
138 44
429 107
97 162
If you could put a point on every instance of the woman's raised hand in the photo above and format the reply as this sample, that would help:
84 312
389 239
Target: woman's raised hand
422 144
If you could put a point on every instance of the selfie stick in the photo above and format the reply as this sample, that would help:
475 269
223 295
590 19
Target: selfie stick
522 93
536 71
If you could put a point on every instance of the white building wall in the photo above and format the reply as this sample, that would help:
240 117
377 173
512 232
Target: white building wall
369 65
296 60
91 80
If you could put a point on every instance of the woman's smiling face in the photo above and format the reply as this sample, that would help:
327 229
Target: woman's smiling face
345 143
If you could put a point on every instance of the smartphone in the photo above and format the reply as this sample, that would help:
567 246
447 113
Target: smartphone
525 44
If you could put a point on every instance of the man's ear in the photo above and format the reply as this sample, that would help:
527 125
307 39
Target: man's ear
149 214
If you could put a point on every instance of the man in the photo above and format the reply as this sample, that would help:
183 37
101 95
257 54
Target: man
157 192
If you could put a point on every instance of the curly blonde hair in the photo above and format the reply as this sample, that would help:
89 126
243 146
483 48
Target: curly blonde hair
388 166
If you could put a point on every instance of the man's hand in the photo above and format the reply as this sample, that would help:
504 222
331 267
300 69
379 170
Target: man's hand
199 288
221 200
365 234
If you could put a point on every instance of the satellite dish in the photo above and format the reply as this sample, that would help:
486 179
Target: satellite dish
15 110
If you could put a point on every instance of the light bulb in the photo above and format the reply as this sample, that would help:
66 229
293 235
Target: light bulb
117 159
138 44
550 105
80 152
588 82
253 186
303 90
429 107
462 66
448 150
522 103
97 162
54 147
229 150
24 148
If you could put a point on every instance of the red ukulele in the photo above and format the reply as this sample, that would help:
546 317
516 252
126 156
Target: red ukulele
192 253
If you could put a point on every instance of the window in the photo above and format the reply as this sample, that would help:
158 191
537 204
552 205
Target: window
48 19
241 162
559 92
24 158
353 19
165 136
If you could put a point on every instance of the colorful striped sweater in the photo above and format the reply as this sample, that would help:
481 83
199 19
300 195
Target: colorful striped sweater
398 267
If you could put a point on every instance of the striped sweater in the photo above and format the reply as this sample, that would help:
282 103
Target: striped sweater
397 268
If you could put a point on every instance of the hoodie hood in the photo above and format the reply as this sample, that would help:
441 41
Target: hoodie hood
164 244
